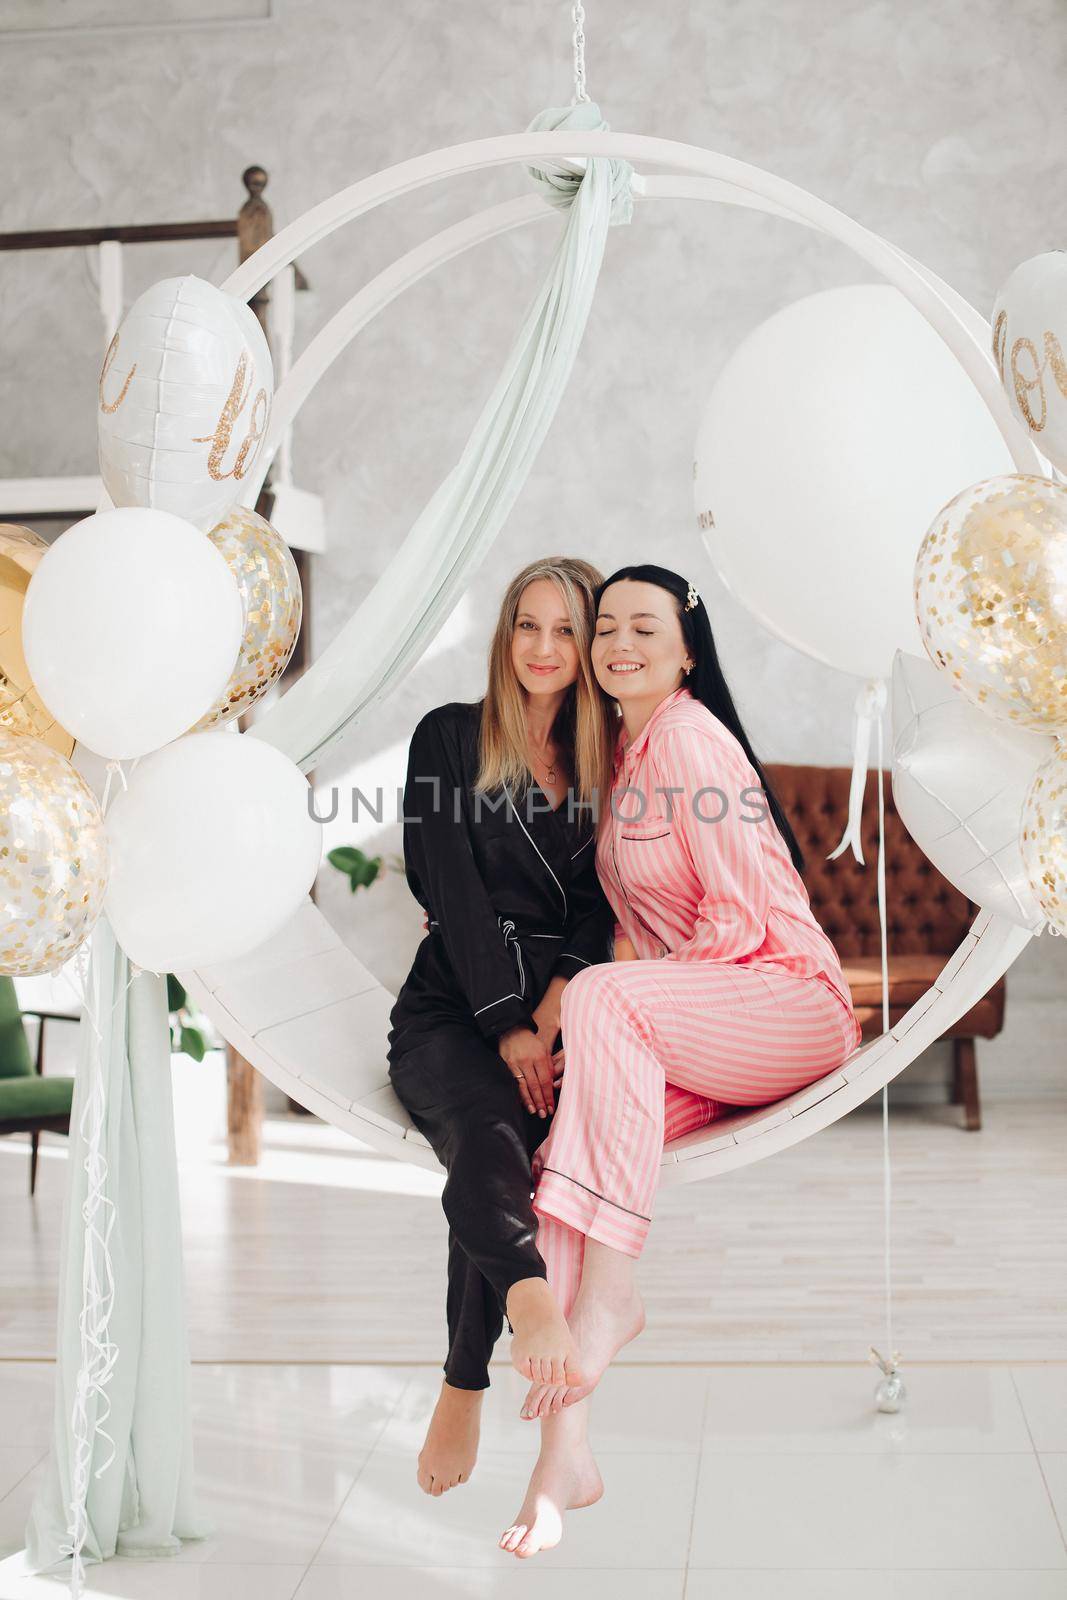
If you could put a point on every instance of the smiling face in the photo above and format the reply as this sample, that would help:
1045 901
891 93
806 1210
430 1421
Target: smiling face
544 651
639 655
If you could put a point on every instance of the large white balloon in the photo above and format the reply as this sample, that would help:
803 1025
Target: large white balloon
131 628
184 401
960 780
213 848
833 435
1030 348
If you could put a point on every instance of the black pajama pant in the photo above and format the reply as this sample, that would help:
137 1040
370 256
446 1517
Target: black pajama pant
463 1100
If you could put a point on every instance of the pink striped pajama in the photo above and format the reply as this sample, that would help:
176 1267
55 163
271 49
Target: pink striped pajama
738 997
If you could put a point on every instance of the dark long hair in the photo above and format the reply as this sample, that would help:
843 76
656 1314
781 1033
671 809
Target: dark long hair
707 682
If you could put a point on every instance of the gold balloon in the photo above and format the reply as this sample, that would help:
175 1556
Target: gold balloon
991 598
1044 839
269 585
54 859
21 709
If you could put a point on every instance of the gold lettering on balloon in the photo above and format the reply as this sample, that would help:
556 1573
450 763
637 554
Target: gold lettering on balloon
1000 337
1024 386
1026 383
112 352
1054 359
236 401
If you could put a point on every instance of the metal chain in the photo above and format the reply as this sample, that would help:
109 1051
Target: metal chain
578 41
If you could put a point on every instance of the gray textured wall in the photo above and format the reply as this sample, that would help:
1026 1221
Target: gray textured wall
938 125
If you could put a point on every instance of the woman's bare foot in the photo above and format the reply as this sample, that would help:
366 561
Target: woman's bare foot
451 1447
542 1347
608 1312
543 1400
564 1478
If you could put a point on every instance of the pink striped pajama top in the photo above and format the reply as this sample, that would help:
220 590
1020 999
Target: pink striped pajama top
720 889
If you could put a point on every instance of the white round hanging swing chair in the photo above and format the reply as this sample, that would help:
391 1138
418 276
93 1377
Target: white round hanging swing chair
301 1008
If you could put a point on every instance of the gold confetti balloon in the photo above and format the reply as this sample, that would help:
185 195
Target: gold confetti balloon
54 861
1044 838
991 598
269 585
21 708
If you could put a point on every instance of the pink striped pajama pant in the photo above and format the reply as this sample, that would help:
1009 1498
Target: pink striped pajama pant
654 1049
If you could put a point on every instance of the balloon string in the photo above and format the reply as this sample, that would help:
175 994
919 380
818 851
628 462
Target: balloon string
112 768
887 1174
99 1353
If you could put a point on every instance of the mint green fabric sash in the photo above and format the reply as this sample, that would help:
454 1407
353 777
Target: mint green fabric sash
389 631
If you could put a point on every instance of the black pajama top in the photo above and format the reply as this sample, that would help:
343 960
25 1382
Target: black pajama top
512 897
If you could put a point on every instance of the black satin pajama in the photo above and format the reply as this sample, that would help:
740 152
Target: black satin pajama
513 899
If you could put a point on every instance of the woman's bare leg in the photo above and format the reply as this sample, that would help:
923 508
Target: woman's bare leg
564 1478
607 1313
447 1457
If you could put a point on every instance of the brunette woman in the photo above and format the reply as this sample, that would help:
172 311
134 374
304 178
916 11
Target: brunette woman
725 991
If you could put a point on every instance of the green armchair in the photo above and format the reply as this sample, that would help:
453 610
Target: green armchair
29 1102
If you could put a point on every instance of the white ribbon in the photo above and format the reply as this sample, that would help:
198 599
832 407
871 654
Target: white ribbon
870 703
887 1165
99 1353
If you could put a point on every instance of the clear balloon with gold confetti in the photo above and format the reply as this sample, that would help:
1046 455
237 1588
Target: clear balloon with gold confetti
269 585
21 708
54 860
1044 838
991 598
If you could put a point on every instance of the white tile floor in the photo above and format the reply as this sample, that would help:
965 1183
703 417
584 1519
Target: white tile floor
732 1482
756 1478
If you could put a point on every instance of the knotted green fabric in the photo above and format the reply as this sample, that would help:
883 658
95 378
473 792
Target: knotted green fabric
559 187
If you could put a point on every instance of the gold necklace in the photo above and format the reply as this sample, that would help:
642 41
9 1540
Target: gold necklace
550 771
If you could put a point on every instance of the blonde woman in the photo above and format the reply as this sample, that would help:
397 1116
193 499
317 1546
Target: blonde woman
500 822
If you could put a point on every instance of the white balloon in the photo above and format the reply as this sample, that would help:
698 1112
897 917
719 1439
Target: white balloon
960 779
213 848
1030 349
184 400
131 628
832 437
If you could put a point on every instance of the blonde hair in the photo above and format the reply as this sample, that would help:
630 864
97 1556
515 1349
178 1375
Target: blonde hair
586 724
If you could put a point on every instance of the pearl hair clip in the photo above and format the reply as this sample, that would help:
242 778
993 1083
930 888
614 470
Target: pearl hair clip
691 598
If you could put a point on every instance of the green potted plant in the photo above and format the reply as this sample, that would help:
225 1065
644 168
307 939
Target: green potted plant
360 870
186 1024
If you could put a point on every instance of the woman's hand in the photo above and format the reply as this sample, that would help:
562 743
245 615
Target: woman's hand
529 1060
624 950
547 1011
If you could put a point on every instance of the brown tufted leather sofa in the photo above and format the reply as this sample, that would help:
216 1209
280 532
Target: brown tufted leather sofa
926 917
